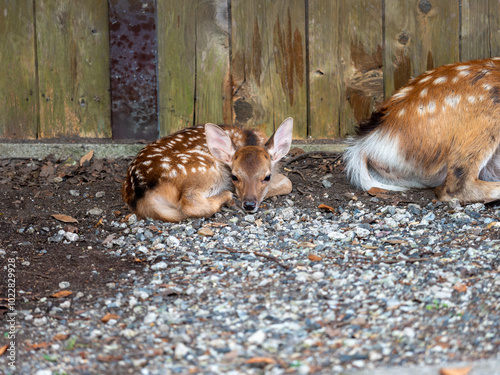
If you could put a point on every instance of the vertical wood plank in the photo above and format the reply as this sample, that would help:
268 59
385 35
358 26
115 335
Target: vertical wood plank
268 67
73 68
213 91
324 69
176 64
494 30
418 38
361 58
18 87
474 43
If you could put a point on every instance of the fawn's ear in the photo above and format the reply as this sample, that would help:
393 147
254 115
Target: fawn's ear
279 144
219 143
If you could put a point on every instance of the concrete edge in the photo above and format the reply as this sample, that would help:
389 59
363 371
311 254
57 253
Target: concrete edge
106 150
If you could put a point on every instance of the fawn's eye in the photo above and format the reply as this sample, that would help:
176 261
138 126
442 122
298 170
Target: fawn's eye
234 178
267 178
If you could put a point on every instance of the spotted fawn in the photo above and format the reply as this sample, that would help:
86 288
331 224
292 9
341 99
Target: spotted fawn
192 173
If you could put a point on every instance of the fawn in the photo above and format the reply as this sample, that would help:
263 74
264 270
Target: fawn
192 173
441 130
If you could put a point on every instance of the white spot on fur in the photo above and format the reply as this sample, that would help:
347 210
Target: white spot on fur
486 86
193 169
181 168
439 80
202 169
425 79
401 112
403 92
462 67
431 107
421 110
452 100
173 173
165 166
147 162
423 93
471 99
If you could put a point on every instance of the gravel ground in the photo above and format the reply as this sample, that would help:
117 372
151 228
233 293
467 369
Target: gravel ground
289 290
285 291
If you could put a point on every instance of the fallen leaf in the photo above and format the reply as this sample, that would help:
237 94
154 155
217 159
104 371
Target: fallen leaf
460 288
106 318
455 371
40 345
65 218
61 294
60 337
260 361
493 224
3 349
379 193
314 258
85 160
325 207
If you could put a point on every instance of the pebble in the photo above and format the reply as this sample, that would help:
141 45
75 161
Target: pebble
95 211
64 284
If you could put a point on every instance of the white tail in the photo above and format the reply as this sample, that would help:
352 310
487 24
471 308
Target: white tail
193 172
441 130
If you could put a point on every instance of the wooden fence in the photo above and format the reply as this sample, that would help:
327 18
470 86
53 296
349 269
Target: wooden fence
326 63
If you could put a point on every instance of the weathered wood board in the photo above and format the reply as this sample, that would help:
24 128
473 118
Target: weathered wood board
419 37
18 86
73 68
268 68
325 94
360 76
176 35
213 91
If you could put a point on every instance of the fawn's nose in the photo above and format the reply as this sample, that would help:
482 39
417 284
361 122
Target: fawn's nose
250 206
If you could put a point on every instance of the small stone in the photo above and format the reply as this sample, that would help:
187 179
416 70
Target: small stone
65 305
173 241
72 237
64 285
454 203
249 218
180 350
95 211
159 266
38 322
206 232
74 193
327 184
150 318
100 194
288 214
257 337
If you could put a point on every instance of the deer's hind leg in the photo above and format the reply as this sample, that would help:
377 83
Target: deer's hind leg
464 172
196 204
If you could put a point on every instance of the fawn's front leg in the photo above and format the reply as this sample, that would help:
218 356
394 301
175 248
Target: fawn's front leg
280 185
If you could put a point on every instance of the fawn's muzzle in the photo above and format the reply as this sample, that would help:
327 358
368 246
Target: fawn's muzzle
250 206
